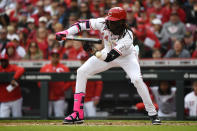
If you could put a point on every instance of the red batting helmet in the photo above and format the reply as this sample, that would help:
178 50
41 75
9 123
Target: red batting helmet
116 13
3 57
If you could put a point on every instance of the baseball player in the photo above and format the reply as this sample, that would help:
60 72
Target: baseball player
118 51
56 89
10 93
191 101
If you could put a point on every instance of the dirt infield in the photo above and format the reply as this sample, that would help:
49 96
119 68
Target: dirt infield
96 123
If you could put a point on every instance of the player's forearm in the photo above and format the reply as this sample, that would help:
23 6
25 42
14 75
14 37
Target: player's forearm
77 27
19 72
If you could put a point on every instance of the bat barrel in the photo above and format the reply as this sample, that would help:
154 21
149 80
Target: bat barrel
91 40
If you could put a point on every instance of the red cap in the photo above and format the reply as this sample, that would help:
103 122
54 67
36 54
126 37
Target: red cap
10 44
116 13
4 57
14 19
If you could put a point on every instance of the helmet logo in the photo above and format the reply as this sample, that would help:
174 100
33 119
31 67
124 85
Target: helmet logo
110 14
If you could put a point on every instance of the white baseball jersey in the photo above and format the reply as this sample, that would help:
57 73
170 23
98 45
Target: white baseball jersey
128 60
191 103
166 103
122 46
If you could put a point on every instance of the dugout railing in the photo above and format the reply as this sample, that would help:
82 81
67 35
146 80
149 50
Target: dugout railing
151 75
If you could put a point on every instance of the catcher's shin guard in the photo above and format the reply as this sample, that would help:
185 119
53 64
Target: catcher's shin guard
77 117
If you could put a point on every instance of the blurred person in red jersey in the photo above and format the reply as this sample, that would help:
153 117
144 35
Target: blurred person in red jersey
156 9
11 51
74 51
41 40
178 51
93 90
33 52
149 39
56 89
175 8
31 28
39 12
95 6
23 33
10 92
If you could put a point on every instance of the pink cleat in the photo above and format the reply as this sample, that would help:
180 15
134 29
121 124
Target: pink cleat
77 117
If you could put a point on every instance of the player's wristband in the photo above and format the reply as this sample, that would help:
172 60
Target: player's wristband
113 54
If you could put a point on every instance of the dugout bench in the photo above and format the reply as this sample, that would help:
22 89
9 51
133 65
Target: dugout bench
178 76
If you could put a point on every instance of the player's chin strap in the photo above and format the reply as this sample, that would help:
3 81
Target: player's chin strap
113 54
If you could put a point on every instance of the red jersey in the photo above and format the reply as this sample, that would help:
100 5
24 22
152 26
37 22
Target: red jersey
6 96
93 90
56 89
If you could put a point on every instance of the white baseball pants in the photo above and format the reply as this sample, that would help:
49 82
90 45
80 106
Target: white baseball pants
58 107
14 107
129 64
89 109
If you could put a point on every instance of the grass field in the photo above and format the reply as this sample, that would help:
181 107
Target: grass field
96 125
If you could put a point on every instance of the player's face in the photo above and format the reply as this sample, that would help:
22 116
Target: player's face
55 58
164 86
115 27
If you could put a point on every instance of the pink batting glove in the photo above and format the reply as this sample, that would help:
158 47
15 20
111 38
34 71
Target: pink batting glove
61 35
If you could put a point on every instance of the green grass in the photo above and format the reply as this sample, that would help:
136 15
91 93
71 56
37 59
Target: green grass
94 125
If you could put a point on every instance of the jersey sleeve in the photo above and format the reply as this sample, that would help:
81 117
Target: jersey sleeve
95 24
124 44
18 71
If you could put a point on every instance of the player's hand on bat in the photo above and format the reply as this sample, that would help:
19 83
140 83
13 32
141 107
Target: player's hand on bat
61 35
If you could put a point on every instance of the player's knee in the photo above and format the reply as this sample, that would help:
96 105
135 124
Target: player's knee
81 72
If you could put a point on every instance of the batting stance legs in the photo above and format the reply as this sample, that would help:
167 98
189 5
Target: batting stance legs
92 66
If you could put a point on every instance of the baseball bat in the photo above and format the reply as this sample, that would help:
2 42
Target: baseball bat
90 40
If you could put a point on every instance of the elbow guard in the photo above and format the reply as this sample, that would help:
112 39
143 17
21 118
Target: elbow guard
113 54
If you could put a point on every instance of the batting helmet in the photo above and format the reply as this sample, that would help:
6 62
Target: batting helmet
3 57
116 13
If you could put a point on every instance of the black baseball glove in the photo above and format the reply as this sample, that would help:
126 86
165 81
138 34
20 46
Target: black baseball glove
60 37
